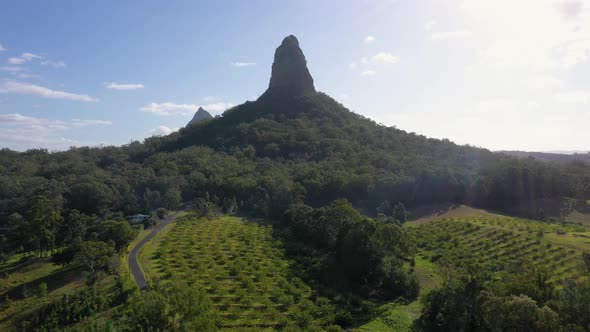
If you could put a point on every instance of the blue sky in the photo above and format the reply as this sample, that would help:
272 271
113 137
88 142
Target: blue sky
498 74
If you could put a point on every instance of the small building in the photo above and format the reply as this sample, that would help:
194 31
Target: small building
137 218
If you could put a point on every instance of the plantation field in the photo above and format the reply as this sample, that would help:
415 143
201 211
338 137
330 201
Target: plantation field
242 269
496 242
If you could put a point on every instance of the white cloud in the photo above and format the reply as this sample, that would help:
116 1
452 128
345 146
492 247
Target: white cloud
36 90
25 57
162 131
11 68
183 109
573 97
123 86
16 61
2 48
78 123
30 56
381 58
243 64
54 64
367 73
16 119
385 58
29 138
450 35
369 39
24 132
24 74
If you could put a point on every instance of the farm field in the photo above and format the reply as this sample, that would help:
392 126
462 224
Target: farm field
496 242
242 269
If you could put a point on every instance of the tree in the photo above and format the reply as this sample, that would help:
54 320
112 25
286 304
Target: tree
399 212
42 289
40 223
518 313
118 232
170 307
74 226
94 257
384 208
204 208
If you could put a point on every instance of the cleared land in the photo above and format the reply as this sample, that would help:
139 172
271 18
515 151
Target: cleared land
242 269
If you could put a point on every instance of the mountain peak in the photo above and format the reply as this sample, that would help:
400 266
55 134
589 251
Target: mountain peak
200 115
290 76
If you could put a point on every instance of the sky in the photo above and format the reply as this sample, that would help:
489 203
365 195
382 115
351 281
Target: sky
498 74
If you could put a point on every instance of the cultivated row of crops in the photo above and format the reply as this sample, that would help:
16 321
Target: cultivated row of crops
497 243
244 272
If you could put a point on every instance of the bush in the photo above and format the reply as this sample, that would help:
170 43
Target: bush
42 289
161 213
170 307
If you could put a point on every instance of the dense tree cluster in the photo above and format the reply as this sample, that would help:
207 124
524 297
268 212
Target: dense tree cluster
354 251
525 300
170 307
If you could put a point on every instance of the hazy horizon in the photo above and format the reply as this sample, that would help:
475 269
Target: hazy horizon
495 74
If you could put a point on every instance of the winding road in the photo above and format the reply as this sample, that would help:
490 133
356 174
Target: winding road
134 252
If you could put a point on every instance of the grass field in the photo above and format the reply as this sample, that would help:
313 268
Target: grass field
242 269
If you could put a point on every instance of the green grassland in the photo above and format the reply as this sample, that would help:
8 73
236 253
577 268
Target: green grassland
241 267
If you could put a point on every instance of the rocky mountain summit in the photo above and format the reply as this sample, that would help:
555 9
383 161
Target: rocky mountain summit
290 76
200 115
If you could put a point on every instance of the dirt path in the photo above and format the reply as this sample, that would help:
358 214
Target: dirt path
134 267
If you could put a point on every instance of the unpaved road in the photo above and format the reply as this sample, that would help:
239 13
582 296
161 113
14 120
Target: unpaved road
134 253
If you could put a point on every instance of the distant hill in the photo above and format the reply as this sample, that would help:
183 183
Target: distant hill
553 157
200 115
